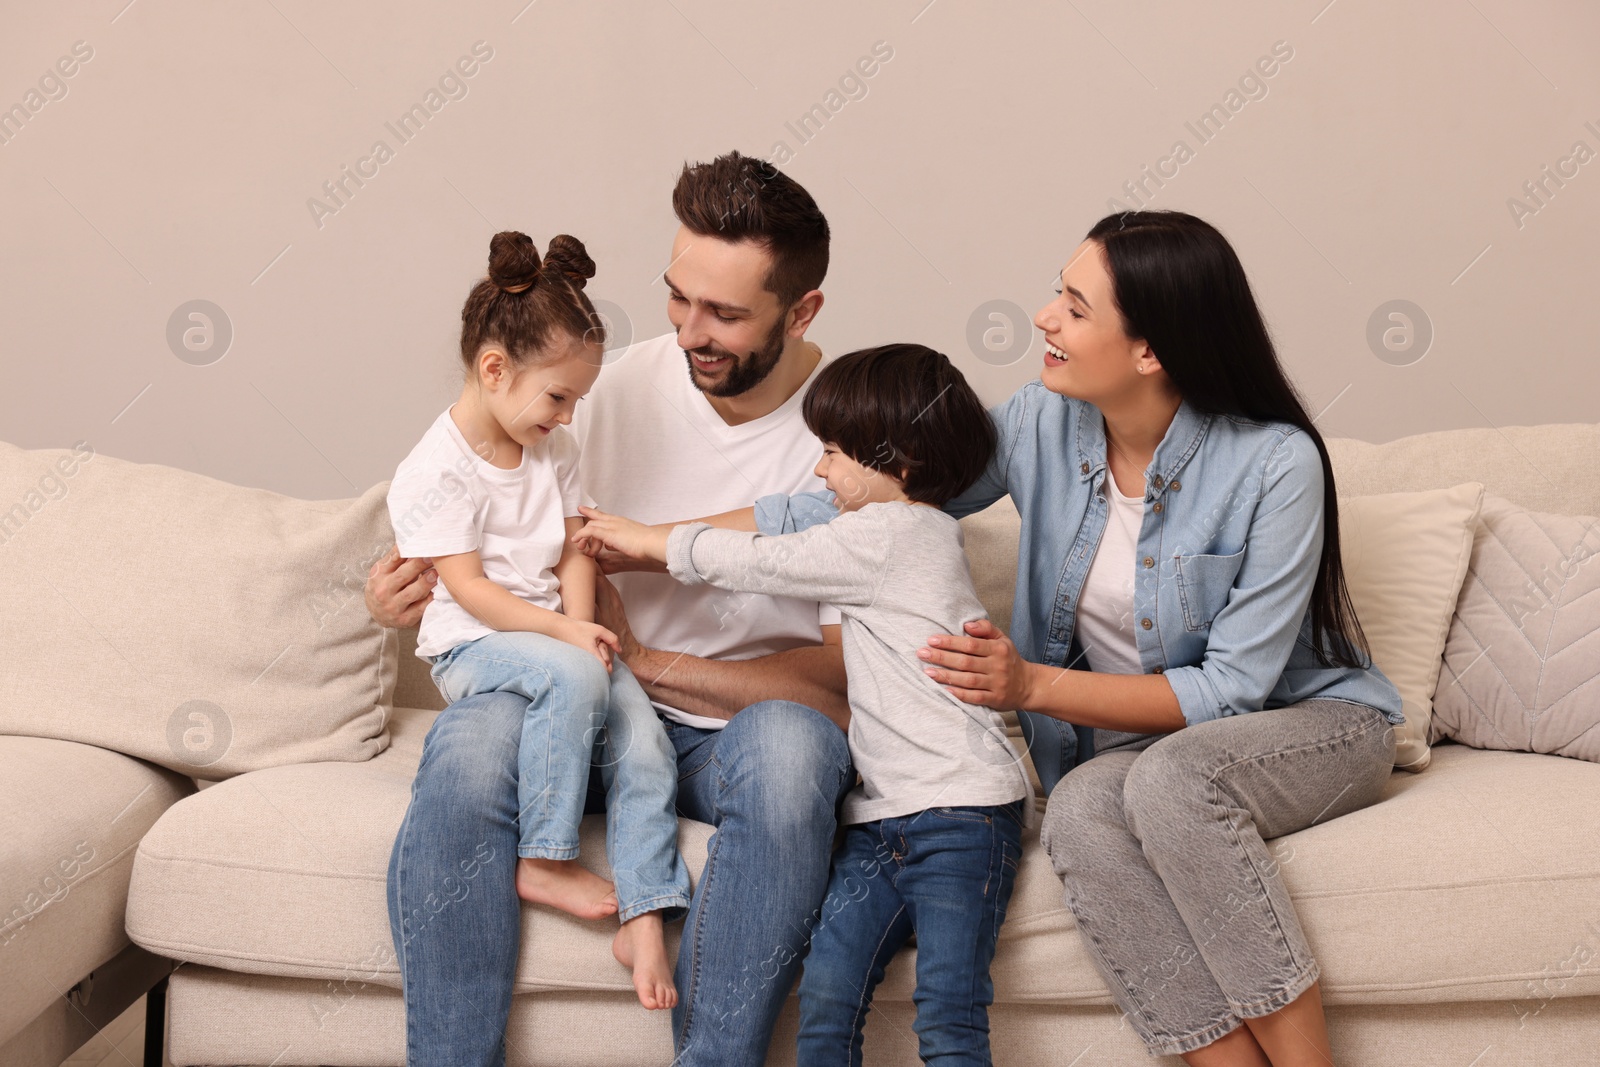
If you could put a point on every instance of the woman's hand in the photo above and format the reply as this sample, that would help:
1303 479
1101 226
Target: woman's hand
980 667
591 637
629 539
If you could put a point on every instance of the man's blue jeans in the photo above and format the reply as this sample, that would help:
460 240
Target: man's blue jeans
770 783
578 715
945 875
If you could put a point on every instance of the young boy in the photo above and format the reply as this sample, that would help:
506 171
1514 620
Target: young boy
933 830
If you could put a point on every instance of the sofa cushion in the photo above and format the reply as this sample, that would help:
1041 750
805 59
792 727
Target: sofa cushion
202 626
1522 665
74 815
283 871
1472 881
1404 556
1546 468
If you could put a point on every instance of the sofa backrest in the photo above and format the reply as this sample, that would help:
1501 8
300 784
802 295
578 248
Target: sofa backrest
1546 468
1554 468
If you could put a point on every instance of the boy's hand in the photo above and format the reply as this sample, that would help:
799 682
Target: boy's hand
592 637
633 540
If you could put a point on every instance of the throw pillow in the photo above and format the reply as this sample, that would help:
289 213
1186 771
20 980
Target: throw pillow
1521 667
202 626
1405 555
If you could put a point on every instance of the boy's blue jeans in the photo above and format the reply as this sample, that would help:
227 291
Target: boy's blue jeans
944 874
580 715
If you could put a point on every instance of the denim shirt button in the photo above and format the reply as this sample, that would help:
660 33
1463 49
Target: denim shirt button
1159 670
1176 485
1156 481
1146 623
1148 563
1156 507
1083 467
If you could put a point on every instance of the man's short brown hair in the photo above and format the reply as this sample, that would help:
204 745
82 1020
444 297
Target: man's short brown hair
738 198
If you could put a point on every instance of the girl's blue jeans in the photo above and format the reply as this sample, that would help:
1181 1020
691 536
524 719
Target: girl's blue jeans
945 875
579 715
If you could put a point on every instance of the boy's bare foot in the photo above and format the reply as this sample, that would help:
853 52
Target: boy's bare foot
641 946
566 886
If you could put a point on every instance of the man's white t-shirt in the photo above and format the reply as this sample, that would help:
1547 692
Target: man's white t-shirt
655 450
446 499
1105 608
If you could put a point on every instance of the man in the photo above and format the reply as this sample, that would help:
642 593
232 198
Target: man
699 422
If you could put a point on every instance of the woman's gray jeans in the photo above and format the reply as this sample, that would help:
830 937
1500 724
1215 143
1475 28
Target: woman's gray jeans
1159 842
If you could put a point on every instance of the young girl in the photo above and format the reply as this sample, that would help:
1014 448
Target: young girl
933 830
491 493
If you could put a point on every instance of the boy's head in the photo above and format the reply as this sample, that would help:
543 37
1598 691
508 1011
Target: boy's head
897 422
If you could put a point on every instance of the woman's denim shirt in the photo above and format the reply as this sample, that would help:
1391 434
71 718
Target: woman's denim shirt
1227 555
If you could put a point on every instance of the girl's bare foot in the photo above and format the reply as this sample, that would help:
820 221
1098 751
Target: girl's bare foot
566 886
641 946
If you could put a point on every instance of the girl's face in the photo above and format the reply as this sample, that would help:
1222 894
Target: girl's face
854 485
531 400
1088 353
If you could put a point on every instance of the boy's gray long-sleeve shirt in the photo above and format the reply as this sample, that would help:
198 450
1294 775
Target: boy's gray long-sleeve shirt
898 574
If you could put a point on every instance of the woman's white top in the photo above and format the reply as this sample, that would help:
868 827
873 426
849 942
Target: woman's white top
1105 608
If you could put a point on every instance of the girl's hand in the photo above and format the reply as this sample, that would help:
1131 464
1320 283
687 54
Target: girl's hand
981 667
633 540
592 637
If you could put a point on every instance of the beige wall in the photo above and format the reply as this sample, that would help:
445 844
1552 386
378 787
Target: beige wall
1375 164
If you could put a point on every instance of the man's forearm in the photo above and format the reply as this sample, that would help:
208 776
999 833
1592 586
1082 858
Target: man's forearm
719 688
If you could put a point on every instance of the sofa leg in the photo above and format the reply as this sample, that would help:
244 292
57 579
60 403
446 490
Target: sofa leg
155 1025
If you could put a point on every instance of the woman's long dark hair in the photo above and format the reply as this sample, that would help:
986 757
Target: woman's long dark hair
1181 288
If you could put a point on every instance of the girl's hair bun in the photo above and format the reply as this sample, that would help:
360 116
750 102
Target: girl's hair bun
567 257
524 302
513 261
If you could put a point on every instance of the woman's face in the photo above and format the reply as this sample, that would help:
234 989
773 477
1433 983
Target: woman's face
1088 353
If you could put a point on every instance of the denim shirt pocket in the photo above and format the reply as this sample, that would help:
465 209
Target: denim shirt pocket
1203 584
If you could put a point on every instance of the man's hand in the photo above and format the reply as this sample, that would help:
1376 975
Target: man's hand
609 613
611 562
398 590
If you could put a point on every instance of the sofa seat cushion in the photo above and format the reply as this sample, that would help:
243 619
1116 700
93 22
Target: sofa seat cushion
1474 881
74 815
282 872
1471 882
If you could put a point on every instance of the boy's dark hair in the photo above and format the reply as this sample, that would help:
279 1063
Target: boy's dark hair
525 301
738 198
907 411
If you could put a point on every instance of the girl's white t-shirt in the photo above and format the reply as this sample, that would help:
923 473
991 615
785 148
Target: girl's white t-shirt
446 499
1105 608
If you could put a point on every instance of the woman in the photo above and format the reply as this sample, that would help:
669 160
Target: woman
1181 617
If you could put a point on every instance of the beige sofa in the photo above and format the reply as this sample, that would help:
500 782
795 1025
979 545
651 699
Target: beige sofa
1457 922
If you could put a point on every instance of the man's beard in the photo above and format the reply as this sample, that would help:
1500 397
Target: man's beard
745 372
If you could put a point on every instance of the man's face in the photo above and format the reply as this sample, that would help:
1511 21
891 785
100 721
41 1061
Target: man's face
730 327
